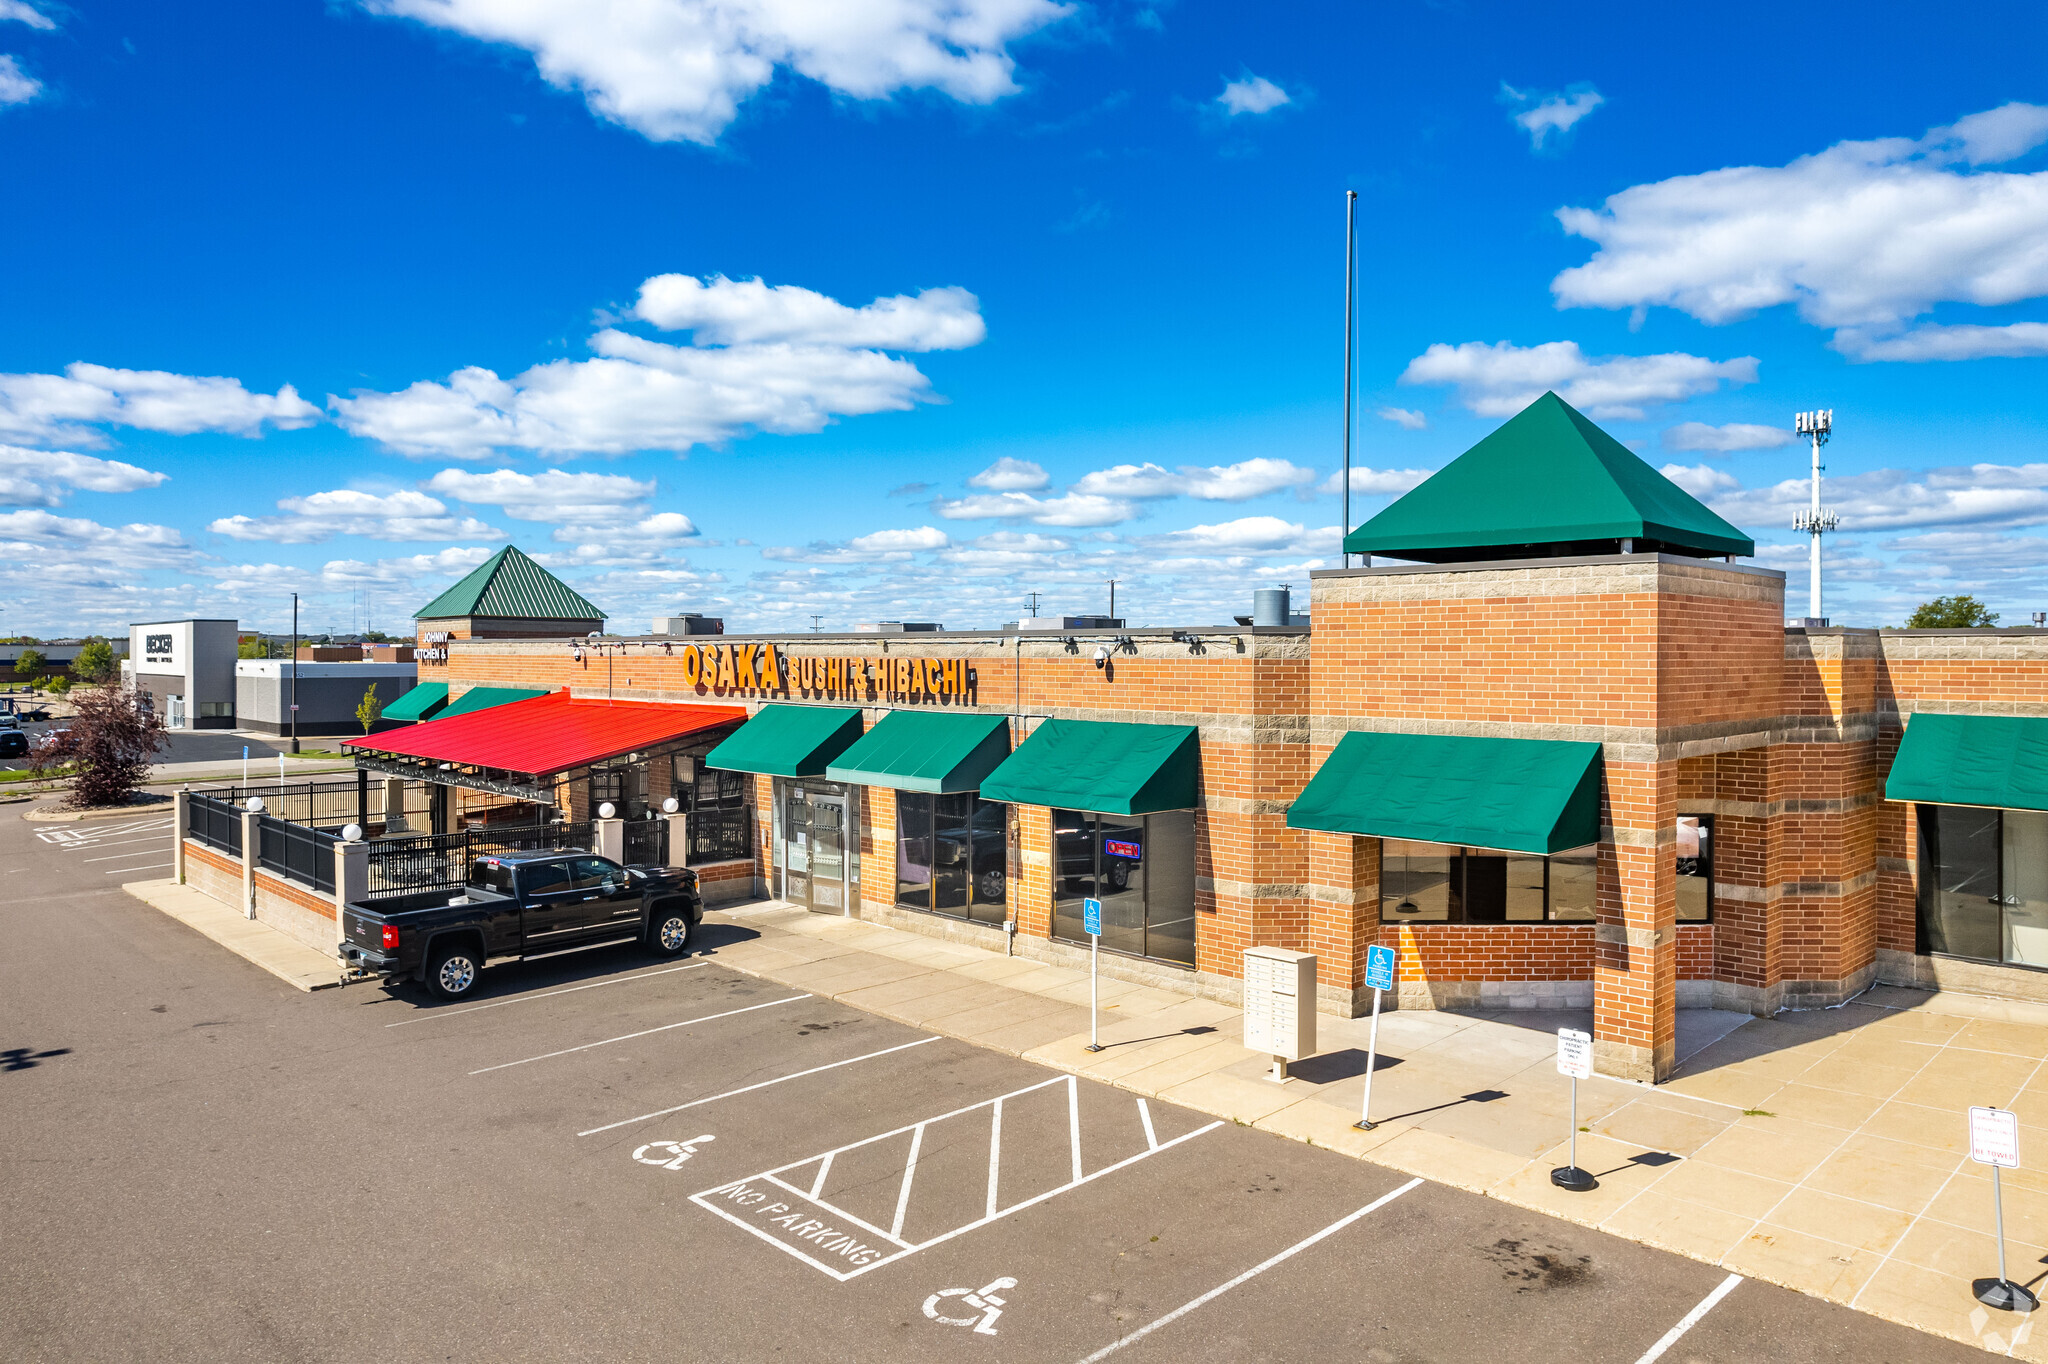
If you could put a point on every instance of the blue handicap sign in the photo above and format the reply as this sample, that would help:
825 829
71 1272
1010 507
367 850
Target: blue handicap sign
1091 917
1379 968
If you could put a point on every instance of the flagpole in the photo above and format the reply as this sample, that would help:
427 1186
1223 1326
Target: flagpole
1350 332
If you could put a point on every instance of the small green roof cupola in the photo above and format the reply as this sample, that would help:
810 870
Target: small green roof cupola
1547 482
509 585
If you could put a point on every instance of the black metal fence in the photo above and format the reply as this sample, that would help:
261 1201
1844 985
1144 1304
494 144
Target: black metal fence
217 824
430 861
721 836
647 841
293 850
331 804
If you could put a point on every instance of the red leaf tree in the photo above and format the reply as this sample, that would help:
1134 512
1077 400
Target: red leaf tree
109 745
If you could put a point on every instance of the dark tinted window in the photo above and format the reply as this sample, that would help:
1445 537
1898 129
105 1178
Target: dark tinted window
545 878
491 876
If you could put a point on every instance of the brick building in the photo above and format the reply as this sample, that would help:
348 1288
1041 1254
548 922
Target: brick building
1565 752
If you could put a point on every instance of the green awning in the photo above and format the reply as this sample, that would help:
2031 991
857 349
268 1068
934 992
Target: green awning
419 703
483 698
1993 760
1099 765
788 741
922 750
1518 795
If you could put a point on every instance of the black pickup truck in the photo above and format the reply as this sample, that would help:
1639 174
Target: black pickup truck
519 907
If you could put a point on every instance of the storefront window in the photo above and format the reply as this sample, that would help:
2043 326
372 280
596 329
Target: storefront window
1984 884
952 855
1695 868
1142 868
720 805
1442 883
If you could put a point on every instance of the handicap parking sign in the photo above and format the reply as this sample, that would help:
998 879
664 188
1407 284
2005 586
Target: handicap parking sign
1091 917
1379 968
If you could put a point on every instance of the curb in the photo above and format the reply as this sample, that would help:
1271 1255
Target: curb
52 815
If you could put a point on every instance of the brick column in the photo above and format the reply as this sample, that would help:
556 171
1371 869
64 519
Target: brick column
351 881
678 839
1344 912
1635 959
878 842
181 827
251 833
610 838
1031 898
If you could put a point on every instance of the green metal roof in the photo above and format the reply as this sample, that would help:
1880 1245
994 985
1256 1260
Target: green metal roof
419 703
1547 477
1518 795
483 698
1994 760
923 750
509 584
1101 765
788 741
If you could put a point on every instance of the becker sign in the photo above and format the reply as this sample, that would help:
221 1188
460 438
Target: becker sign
157 648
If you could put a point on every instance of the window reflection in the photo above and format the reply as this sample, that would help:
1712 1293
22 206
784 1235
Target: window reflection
1445 883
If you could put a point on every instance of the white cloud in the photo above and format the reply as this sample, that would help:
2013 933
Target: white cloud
16 85
2018 340
1721 440
44 478
1986 495
39 542
1701 480
1252 535
678 70
54 407
349 511
1543 114
878 547
1404 418
1862 237
1374 482
641 394
1009 475
1238 482
20 11
1252 95
1070 509
726 312
553 496
1500 380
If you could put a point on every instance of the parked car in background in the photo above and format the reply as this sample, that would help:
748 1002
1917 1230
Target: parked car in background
13 744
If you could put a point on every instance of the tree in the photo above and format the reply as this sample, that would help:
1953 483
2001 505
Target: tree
253 647
1951 613
60 685
95 662
370 708
28 663
109 744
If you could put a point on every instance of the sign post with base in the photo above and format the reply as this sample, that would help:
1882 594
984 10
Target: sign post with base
1995 1141
1574 1058
1379 975
1091 924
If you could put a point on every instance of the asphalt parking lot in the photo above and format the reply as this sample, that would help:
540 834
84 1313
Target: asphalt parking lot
605 1157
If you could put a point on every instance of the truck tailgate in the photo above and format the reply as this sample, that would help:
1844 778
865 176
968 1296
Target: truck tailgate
363 927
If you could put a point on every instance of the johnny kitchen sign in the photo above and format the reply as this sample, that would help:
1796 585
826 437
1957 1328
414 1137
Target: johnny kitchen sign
764 669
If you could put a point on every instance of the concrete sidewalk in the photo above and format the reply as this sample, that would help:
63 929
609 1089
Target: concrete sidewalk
290 960
1823 1151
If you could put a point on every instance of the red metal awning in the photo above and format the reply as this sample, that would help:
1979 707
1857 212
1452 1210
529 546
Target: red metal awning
546 734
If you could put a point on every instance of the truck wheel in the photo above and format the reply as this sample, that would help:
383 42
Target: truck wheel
989 886
452 972
670 933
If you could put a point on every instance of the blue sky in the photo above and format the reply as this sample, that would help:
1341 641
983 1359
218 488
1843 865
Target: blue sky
882 312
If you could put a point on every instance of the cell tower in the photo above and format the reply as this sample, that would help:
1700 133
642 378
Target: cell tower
1817 521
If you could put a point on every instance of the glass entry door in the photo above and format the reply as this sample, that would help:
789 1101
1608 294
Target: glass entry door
814 852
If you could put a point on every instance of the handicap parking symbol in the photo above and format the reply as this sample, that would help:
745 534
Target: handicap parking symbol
670 1155
982 1300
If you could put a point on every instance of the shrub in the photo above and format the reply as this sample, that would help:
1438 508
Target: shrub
109 743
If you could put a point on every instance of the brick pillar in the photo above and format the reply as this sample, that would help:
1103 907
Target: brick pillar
351 881
678 839
610 838
1344 912
1031 898
251 833
181 827
1635 961
878 842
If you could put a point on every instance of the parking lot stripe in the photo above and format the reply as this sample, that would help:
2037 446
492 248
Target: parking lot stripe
644 1032
748 1089
818 1184
123 857
1177 1313
1074 1124
1690 1320
837 1211
117 842
1145 1116
909 1174
995 1153
123 871
523 999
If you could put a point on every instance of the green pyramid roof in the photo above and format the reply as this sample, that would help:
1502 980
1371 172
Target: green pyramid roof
509 584
1548 479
